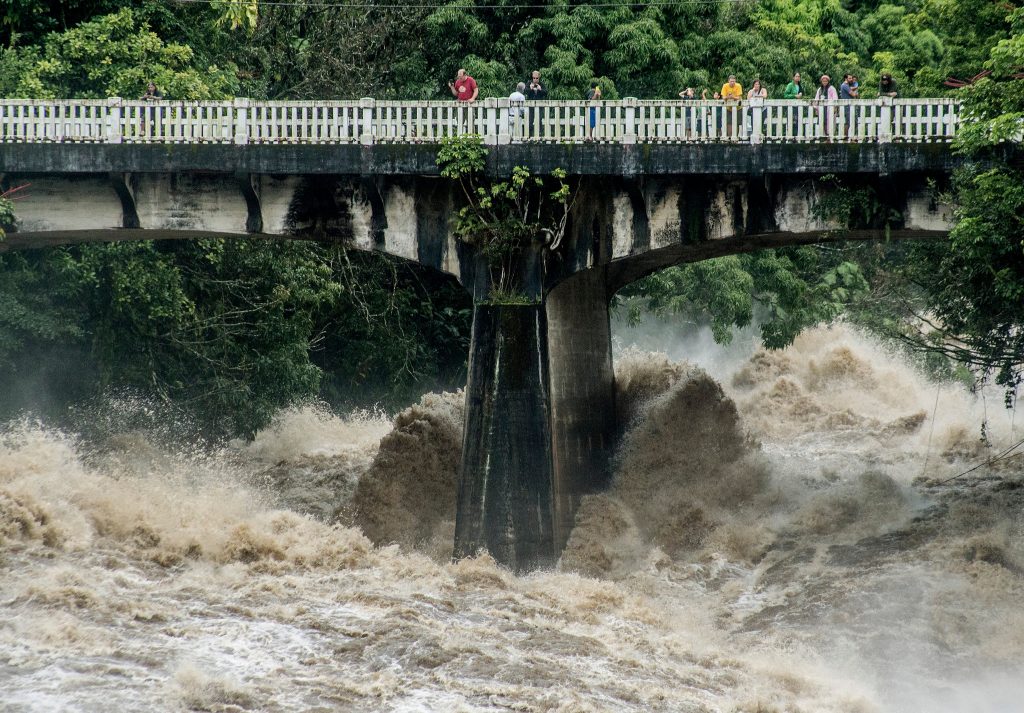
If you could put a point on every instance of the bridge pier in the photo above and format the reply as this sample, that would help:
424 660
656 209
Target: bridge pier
540 418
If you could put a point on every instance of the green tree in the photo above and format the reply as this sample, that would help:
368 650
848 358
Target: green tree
113 55
973 287
789 289
506 221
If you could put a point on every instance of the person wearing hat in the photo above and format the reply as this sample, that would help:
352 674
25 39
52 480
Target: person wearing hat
887 87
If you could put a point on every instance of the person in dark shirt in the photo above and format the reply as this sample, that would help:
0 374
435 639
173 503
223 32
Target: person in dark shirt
847 91
534 89
887 87
152 93
688 95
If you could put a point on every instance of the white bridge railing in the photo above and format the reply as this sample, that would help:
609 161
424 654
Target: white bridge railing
368 121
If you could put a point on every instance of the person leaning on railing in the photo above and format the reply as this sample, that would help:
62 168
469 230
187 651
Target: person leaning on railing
152 93
847 91
887 86
758 91
594 96
535 91
688 95
732 91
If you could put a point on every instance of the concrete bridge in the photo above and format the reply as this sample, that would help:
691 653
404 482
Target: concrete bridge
666 183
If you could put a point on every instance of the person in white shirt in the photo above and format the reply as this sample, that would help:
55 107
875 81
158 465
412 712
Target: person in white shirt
516 109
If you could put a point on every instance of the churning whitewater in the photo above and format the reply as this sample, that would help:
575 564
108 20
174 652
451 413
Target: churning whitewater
777 538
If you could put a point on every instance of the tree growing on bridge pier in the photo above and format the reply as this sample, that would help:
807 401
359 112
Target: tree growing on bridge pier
510 221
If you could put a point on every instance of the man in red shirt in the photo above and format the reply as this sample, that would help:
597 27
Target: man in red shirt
464 87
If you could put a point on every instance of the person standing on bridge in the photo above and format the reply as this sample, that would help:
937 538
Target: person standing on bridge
794 90
464 90
688 95
848 91
887 87
825 93
535 91
757 91
152 93
516 110
593 96
464 87
732 91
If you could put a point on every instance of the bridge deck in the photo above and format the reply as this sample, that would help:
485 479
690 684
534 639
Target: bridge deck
498 121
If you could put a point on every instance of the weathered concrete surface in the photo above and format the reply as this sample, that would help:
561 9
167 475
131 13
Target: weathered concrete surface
505 487
630 225
420 159
582 393
540 422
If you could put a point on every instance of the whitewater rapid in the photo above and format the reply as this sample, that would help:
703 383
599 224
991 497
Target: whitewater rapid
777 539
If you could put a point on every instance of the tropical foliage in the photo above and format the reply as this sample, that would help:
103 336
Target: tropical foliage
505 219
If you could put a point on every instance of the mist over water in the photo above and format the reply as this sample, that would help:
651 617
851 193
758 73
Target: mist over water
776 539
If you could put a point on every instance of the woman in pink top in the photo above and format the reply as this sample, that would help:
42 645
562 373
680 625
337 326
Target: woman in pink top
827 92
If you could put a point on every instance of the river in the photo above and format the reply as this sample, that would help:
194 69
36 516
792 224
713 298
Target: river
777 540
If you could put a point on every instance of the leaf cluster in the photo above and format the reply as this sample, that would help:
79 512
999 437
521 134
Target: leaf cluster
503 218
112 55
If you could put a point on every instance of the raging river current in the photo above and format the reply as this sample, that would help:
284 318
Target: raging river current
778 538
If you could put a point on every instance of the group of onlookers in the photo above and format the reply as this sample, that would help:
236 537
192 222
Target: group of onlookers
849 89
465 89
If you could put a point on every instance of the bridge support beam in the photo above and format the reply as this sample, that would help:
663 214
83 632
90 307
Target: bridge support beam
540 418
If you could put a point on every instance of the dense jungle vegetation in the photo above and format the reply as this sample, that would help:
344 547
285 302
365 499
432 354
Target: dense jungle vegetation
228 332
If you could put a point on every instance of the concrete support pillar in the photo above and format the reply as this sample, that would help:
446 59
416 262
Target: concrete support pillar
582 393
540 417
505 489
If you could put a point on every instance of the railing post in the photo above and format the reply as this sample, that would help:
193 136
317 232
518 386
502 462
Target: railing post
508 120
885 120
113 120
490 109
756 116
629 105
366 109
241 120
953 121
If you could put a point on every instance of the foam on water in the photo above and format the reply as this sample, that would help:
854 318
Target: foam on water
768 544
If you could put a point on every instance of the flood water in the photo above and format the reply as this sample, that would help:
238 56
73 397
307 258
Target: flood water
776 540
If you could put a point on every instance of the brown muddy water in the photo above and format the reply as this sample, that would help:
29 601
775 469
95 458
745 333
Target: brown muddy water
775 541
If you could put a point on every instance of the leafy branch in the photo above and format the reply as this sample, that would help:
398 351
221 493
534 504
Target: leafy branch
506 218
